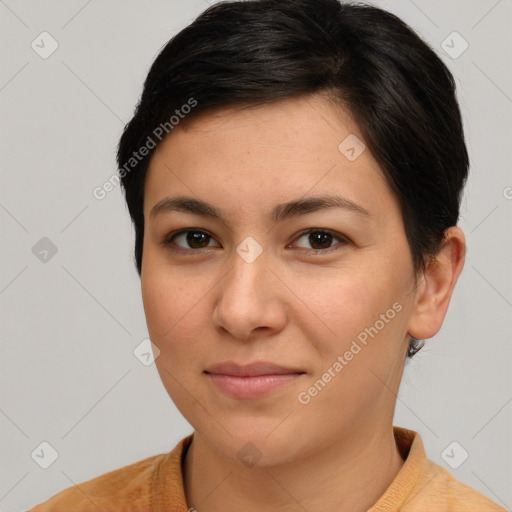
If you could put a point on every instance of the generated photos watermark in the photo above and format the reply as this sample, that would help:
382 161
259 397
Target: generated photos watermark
304 397
100 192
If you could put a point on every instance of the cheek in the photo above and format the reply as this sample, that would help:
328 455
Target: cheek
355 366
350 303
165 297
176 309
365 314
157 293
174 316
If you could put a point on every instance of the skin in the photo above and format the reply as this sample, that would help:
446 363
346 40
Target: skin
291 307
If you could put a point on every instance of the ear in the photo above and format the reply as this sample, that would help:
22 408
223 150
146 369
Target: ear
436 284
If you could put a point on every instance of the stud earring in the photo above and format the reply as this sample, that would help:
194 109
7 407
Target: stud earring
415 345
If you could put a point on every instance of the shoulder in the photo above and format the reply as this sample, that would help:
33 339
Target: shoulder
422 485
126 488
438 489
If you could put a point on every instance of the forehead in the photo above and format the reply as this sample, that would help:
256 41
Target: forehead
285 149
296 118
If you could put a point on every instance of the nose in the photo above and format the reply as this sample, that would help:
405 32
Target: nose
250 300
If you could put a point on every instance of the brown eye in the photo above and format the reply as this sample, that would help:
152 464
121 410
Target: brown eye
196 239
318 240
189 239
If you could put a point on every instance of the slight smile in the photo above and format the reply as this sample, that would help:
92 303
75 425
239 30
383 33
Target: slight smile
254 380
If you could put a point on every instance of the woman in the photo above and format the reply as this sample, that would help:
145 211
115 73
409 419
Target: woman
294 172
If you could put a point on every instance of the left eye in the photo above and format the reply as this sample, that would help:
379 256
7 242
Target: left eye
322 239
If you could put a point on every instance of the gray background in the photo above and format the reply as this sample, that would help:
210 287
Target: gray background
69 324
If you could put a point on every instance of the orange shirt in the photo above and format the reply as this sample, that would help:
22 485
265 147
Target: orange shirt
156 484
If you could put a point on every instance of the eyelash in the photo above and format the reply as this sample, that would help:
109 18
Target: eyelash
343 240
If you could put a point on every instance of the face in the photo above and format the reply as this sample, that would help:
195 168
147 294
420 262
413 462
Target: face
323 290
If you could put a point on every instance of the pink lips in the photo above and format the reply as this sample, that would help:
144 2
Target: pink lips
251 381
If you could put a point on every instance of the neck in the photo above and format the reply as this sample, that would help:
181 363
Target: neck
349 476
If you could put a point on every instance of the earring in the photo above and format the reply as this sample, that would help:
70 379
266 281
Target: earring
415 345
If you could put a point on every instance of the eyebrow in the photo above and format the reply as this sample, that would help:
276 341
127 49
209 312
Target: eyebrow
279 213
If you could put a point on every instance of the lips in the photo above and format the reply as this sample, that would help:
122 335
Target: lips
251 381
251 370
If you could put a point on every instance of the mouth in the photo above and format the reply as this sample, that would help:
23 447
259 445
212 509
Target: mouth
251 370
254 380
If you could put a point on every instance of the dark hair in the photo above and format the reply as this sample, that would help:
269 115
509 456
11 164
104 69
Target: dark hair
252 52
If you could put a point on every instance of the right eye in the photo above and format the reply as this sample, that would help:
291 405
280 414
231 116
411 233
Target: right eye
193 239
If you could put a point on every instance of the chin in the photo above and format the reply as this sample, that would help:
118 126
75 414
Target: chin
257 444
